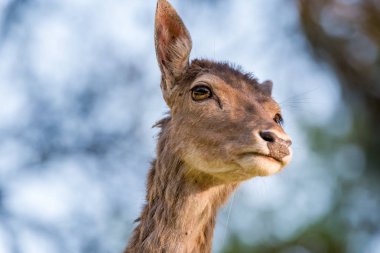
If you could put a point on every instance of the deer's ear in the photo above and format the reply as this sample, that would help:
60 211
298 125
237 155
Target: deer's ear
266 88
173 46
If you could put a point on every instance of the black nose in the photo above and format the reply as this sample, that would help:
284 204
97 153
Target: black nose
271 137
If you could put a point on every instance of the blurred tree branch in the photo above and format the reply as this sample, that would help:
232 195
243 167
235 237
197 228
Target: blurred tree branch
346 36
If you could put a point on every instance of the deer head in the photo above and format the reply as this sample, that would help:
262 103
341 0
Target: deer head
223 123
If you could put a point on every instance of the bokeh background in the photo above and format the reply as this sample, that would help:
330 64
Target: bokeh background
79 92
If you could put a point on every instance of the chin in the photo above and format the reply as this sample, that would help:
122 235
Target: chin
248 168
258 165
244 168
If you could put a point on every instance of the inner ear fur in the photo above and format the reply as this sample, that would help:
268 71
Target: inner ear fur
173 46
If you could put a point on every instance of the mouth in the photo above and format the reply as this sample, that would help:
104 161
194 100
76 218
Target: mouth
260 164
256 154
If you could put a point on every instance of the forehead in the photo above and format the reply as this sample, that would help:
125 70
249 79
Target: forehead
230 74
232 78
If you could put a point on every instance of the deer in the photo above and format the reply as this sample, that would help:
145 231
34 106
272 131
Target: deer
223 128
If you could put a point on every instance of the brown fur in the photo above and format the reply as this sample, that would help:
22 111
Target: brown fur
205 148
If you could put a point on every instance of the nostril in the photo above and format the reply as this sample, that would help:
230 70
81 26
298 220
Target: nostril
268 136
288 143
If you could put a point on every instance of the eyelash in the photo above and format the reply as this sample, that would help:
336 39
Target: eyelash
278 119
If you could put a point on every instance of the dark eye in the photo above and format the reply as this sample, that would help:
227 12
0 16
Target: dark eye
200 93
278 119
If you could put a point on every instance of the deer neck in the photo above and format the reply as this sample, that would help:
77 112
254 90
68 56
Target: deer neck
181 210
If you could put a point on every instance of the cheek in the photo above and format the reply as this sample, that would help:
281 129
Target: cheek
211 140
199 137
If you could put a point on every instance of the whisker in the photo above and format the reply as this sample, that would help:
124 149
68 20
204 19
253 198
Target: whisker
229 214
301 94
298 99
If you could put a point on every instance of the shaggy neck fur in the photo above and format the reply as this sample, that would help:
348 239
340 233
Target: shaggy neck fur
181 207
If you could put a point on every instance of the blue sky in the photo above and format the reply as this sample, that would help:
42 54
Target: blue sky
90 68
